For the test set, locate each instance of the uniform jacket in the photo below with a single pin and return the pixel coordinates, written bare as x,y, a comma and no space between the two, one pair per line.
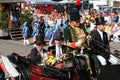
25,30
72,34
36,29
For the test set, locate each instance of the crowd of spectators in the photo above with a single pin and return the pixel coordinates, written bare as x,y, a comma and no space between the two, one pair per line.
49,23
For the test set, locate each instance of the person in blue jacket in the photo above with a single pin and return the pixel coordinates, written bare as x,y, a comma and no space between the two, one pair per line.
25,31
36,30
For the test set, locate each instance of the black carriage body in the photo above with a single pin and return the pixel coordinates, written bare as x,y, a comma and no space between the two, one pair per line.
50,73
76,67
36,73
30,71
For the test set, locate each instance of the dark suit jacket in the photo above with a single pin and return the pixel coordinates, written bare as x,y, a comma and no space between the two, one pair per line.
35,57
97,44
65,49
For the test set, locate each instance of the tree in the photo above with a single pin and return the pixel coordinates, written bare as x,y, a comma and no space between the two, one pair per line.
3,19
26,16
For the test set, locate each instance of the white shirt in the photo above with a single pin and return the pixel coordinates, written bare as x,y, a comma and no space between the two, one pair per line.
101,33
58,51
41,53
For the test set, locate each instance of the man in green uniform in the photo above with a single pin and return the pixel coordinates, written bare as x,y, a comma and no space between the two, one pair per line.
74,35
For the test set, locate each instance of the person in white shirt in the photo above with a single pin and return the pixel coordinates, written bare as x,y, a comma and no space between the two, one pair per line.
116,32
58,50
100,44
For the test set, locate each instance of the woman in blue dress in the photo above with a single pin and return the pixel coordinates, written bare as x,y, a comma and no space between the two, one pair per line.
25,31
36,30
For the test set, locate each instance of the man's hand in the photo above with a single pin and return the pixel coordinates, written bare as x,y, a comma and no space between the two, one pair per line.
82,36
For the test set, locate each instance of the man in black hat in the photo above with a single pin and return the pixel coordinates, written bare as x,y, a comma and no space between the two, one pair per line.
58,50
38,54
74,34
99,41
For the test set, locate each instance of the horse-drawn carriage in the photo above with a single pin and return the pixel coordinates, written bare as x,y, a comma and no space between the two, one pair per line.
81,66
74,67
69,70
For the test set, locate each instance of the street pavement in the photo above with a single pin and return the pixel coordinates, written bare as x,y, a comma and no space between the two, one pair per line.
8,46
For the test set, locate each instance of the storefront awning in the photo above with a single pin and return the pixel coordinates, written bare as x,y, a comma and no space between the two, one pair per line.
35,1
11,1
18,1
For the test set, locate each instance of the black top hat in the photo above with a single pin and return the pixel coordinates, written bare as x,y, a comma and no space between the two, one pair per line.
100,21
40,40
58,35
74,14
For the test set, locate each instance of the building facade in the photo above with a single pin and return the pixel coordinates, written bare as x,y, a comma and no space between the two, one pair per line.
105,3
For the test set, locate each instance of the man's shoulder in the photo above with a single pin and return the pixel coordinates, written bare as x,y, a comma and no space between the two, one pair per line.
44,50
94,31
104,32
34,49
68,27
51,47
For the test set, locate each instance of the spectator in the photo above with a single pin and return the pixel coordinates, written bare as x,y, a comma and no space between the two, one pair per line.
116,33
116,17
55,14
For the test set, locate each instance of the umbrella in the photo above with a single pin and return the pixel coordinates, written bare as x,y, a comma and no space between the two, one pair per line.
45,2
65,2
